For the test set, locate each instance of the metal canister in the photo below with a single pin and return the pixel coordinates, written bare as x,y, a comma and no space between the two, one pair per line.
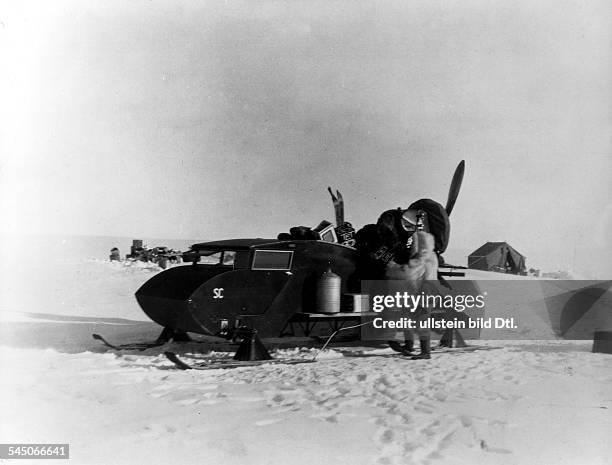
328,293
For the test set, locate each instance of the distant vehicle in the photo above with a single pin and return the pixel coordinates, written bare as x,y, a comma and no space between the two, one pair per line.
114,256
161,255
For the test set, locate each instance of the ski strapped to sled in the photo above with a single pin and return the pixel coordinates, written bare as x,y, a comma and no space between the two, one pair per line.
216,364
338,206
344,230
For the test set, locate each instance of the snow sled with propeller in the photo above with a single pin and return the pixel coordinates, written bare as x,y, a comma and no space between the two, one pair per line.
264,284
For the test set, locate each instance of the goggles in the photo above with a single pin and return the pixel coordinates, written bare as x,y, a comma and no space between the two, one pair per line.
412,220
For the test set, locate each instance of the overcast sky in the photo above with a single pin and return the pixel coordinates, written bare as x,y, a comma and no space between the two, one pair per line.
208,120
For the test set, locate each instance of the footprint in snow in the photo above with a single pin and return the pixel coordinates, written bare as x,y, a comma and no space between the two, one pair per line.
495,450
386,436
269,421
248,399
333,418
157,430
188,401
209,402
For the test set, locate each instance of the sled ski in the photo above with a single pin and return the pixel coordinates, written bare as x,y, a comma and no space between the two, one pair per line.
444,348
129,346
452,350
166,335
434,351
216,364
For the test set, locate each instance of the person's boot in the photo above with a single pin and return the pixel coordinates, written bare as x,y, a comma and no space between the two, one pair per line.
405,349
408,347
425,350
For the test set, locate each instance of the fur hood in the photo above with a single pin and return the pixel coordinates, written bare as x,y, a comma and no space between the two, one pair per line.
423,263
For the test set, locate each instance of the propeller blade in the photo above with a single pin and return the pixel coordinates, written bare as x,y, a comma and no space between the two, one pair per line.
455,186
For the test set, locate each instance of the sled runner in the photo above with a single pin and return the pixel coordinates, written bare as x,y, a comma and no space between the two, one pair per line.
128,346
166,335
216,364
434,350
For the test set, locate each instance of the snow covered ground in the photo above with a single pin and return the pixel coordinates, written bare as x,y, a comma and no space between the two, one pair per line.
522,402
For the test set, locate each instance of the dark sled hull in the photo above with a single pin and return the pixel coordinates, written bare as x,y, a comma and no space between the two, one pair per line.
165,298
202,298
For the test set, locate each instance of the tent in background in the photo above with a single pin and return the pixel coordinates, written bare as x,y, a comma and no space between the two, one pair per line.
497,256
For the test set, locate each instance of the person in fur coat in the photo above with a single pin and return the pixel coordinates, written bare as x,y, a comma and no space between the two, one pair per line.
421,272
401,247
